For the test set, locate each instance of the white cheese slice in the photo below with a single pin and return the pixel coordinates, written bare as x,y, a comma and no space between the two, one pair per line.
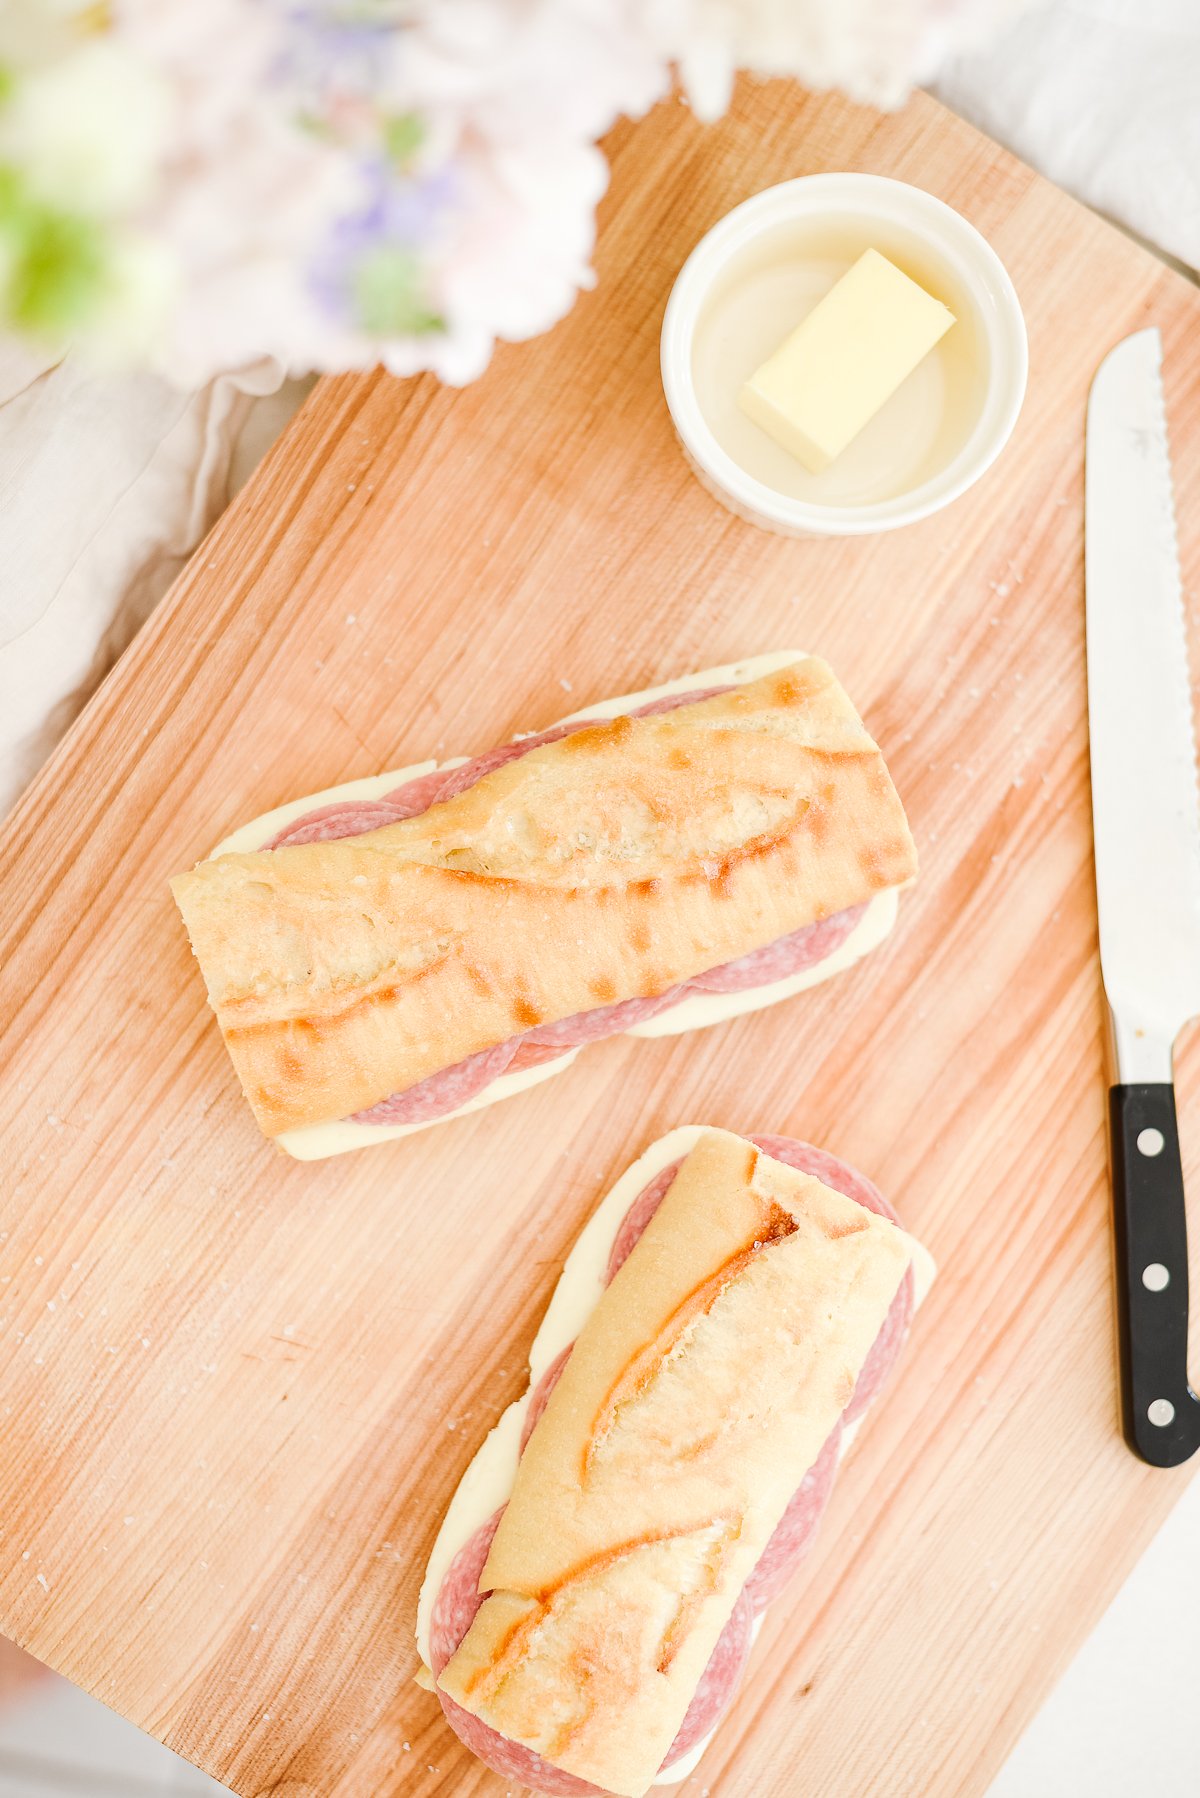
704,1009
315,1142
488,1480
726,674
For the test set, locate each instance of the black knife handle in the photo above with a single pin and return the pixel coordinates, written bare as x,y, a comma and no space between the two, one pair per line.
1161,1412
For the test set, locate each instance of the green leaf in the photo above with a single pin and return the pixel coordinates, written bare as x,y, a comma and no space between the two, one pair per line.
13,203
55,263
403,135
315,126
388,295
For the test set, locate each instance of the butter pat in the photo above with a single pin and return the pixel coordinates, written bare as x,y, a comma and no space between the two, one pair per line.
844,361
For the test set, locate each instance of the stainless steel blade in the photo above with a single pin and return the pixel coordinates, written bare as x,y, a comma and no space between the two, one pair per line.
1144,798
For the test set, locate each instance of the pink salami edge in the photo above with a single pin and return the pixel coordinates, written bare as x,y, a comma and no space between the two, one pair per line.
793,1535
779,960
454,1611
444,1091
459,1598
718,1683
846,1179
451,1087
354,817
541,1393
637,1217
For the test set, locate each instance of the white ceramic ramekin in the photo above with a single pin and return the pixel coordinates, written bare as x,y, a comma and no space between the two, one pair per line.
869,209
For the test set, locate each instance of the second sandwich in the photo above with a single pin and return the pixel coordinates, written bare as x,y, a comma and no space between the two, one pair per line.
721,1326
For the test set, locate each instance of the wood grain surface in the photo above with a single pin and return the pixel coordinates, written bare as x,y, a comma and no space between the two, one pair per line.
237,1392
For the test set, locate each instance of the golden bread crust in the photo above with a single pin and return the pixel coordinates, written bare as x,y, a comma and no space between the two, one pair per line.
697,1396
609,865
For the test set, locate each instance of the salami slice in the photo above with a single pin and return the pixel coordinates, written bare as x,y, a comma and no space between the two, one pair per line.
885,1351
453,1614
827,1168
454,1611
460,779
541,1393
451,1087
458,1596
531,1055
444,1091
510,1759
604,1020
846,1179
793,1534
637,1217
718,1682
416,796
352,817
779,960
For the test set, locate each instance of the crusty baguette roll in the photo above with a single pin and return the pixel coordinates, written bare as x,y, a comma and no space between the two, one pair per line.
699,1392
608,865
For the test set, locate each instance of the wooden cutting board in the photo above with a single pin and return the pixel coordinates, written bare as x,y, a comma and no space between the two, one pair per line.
237,1392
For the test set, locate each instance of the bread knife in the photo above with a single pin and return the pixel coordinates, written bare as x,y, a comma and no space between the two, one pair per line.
1147,837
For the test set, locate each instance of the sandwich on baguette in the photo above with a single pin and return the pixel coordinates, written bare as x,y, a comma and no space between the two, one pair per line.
398,951
723,1322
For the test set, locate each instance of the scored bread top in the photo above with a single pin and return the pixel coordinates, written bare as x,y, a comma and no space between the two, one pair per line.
611,864
698,1394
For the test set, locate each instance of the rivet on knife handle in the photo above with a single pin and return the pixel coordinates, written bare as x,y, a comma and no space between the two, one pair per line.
1161,1412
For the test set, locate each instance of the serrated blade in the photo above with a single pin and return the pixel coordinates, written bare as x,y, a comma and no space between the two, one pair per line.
1144,796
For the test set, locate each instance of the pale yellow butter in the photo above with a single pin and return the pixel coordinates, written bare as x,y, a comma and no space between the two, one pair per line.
842,362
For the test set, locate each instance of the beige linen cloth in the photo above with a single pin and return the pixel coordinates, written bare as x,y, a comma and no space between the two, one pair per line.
107,484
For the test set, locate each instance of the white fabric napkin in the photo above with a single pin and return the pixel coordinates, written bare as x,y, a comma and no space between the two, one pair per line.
1103,96
107,484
